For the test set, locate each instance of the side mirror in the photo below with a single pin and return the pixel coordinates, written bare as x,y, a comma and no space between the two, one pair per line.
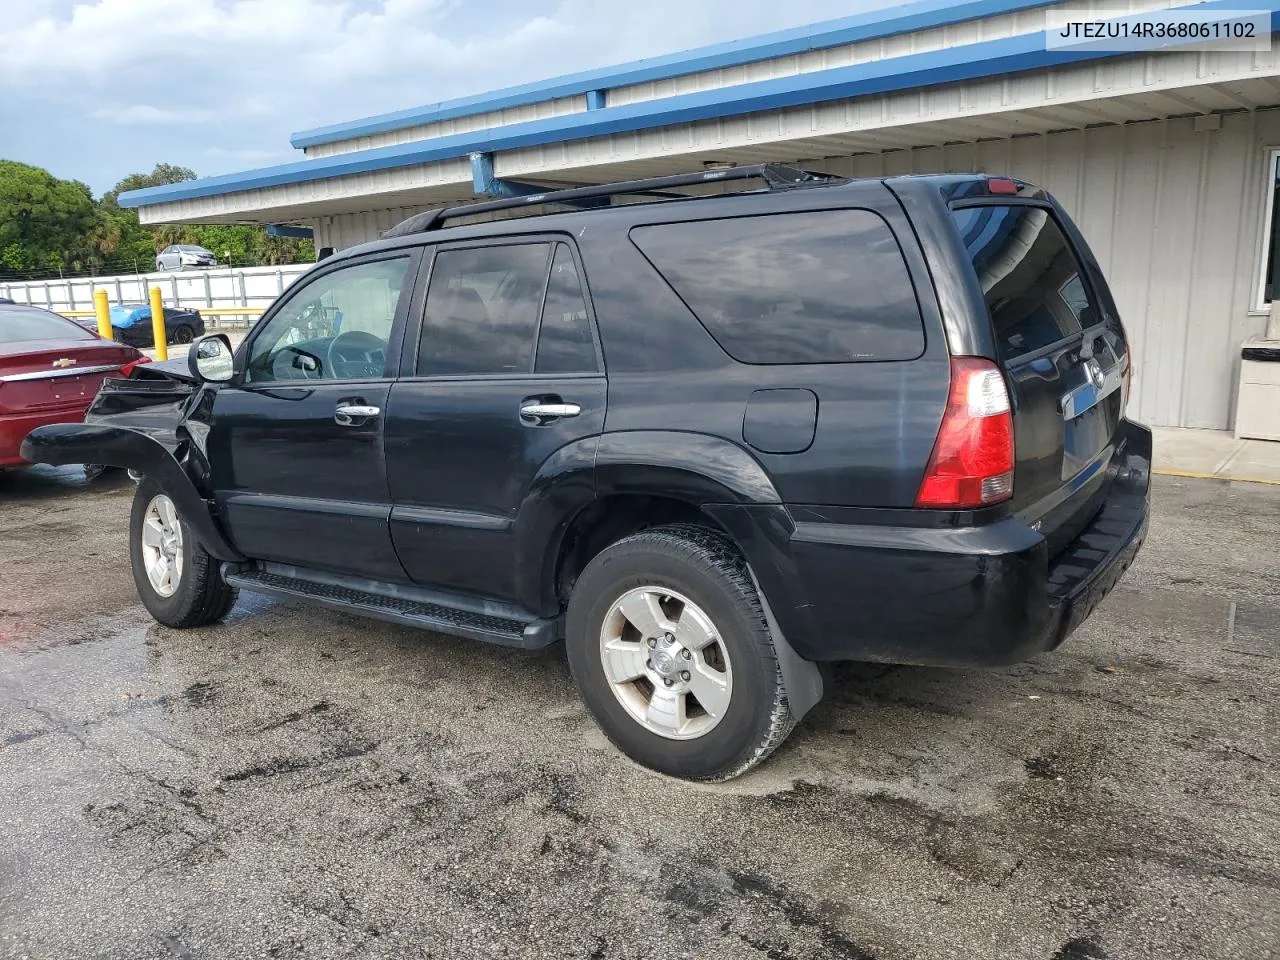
210,359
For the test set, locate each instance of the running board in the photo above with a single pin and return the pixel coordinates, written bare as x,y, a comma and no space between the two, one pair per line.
528,635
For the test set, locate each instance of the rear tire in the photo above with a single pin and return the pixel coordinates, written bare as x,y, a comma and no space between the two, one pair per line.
689,583
183,334
178,582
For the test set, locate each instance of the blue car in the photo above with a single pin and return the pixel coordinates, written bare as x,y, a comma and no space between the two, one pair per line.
131,324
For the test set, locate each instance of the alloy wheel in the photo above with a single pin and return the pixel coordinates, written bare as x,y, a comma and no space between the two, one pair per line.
665,663
162,546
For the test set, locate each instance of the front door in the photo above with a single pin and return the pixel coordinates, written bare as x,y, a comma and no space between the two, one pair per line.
506,372
296,445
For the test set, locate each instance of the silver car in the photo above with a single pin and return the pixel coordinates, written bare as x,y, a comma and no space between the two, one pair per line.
180,256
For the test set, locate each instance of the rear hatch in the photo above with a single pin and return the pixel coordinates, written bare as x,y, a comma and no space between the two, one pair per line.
1064,354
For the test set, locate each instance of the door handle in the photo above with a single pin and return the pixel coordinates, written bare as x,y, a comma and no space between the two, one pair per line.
346,414
544,411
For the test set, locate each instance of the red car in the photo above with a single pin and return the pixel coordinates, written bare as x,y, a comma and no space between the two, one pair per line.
50,370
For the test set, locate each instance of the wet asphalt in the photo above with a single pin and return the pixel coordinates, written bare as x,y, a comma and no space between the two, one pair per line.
297,783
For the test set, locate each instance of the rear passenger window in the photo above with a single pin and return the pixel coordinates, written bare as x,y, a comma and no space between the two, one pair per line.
823,287
564,337
482,310
1029,276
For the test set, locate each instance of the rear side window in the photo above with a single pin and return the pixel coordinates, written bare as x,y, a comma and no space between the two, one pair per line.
824,287
482,310
565,344
1029,275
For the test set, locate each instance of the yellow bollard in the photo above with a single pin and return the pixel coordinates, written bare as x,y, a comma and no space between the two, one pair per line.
158,333
104,313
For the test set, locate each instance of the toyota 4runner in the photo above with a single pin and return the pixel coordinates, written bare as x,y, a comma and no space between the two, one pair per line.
711,442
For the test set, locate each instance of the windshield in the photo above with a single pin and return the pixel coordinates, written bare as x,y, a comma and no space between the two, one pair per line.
23,323
187,248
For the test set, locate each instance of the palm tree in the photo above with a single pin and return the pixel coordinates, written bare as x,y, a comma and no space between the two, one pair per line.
170,233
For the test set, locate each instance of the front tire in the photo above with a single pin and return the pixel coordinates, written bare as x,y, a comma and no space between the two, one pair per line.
178,582
672,654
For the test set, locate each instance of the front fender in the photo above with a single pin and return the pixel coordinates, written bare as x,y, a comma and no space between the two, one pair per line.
63,443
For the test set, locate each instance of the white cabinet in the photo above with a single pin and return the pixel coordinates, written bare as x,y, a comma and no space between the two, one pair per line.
1258,402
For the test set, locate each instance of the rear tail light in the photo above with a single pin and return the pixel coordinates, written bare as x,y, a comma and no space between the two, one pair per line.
127,370
972,461
1002,186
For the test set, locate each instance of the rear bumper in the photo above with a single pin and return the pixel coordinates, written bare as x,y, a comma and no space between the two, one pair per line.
976,596
15,427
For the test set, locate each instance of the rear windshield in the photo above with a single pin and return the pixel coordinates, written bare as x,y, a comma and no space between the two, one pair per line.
824,287
23,323
1029,275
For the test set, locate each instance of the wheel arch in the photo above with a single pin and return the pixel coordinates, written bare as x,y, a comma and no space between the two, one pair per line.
655,478
606,520
619,483
64,443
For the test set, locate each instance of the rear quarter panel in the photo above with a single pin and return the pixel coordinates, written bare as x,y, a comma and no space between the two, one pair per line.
876,421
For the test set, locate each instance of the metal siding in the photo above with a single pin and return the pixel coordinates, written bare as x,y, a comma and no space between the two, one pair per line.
921,41
1223,263
1172,216
1039,102
349,229
443,128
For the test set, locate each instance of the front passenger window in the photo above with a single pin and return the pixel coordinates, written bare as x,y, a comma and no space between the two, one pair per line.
333,328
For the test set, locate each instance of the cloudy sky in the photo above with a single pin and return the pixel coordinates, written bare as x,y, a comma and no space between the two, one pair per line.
97,89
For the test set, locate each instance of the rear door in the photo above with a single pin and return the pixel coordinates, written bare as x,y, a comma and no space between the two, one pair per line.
506,372
1063,351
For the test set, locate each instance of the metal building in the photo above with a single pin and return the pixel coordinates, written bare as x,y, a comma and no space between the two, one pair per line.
1167,160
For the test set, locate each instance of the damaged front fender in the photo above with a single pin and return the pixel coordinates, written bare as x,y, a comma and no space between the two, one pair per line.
115,446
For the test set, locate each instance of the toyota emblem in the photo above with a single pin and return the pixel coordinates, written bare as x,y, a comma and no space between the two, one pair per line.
1095,374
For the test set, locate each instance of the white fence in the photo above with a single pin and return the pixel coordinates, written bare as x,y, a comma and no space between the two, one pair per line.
219,290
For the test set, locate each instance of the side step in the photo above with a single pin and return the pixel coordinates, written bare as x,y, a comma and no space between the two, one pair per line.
528,635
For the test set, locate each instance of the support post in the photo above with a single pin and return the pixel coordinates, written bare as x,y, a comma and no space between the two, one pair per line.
103,313
158,333
485,184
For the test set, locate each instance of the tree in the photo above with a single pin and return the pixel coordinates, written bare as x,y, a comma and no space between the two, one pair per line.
164,173
169,233
141,243
48,226
230,242
276,250
45,222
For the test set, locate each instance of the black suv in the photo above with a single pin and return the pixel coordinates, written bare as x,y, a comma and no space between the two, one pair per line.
711,442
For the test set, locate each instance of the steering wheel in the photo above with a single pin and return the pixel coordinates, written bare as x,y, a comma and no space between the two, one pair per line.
343,347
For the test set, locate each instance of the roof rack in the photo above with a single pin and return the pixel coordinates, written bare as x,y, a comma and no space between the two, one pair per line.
775,176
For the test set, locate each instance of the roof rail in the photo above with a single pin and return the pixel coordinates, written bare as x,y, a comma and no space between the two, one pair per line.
775,176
